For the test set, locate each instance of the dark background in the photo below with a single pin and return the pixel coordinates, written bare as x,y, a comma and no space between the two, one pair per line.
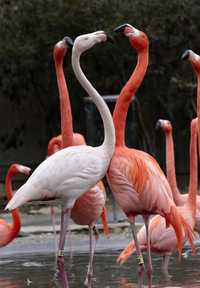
29,103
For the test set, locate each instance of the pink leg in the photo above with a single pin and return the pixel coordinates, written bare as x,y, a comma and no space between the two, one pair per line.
61,275
139,254
149,268
53,220
65,216
69,237
88,280
165,266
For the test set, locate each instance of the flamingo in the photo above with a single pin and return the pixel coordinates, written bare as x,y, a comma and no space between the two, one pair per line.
8,231
70,172
179,199
162,239
137,182
90,206
194,59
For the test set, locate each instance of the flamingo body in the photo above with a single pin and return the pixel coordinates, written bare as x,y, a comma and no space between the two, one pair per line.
88,208
66,174
133,177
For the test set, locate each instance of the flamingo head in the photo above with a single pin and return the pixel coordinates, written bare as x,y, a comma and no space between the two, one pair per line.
17,168
61,48
137,38
165,125
193,58
87,41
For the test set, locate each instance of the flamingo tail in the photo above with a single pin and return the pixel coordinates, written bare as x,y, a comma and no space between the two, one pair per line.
104,222
19,198
190,234
179,224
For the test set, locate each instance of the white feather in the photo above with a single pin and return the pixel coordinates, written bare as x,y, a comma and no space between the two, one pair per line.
66,174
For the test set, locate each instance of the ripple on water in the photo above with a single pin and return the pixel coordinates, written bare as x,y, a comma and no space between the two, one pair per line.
5,262
33,264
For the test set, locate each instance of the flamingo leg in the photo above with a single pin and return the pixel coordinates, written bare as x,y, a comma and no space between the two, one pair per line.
165,266
88,279
65,216
149,268
53,220
69,237
139,254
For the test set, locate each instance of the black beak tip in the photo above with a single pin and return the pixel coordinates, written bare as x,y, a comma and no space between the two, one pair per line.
185,55
69,41
120,28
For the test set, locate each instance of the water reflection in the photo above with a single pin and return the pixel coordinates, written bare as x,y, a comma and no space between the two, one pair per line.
38,271
124,283
6,283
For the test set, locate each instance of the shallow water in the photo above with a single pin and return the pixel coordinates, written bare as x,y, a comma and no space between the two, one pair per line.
38,271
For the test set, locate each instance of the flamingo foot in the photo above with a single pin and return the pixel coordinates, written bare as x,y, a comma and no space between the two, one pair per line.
167,276
88,280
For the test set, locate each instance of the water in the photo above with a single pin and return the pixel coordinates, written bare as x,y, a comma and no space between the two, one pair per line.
37,271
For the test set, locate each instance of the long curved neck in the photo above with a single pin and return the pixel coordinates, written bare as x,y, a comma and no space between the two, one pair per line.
170,166
15,213
65,107
198,108
126,94
193,182
109,131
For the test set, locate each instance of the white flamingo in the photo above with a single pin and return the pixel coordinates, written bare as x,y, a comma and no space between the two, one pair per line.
72,171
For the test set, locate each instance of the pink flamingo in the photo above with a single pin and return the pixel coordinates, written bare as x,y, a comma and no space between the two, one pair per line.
136,179
179,199
194,59
90,206
70,172
8,231
162,239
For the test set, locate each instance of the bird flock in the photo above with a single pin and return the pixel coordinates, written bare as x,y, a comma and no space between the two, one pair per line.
71,176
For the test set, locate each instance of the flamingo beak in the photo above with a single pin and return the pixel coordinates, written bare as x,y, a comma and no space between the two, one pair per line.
185,55
120,28
69,41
